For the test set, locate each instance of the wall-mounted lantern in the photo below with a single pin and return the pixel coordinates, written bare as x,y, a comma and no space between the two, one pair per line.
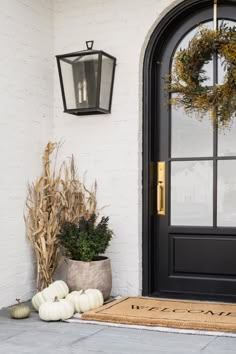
86,79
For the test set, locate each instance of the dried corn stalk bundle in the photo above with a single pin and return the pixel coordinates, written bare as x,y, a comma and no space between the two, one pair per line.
54,198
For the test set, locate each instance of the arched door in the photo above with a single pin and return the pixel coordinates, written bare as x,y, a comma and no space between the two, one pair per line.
191,249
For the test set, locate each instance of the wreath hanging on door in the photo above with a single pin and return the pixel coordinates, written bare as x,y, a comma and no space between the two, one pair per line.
188,76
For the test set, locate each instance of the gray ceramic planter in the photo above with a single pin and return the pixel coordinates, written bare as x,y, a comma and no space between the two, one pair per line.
90,275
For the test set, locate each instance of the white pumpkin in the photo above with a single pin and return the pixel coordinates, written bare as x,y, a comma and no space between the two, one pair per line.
87,300
61,288
59,309
57,289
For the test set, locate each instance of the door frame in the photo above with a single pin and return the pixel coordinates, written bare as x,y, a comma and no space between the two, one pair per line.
155,44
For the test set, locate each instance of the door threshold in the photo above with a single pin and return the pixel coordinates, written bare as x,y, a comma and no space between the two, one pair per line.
190,297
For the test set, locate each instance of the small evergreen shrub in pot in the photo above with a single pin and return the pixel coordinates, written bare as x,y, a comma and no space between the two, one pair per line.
84,244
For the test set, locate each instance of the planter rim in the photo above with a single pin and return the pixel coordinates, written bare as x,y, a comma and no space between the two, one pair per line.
102,259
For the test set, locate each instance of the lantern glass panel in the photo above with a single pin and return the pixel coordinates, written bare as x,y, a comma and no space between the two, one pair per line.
106,82
80,80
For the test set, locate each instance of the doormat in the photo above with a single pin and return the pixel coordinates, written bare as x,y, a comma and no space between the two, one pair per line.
196,315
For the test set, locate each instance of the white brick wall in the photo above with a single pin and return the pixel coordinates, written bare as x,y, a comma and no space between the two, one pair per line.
26,94
109,147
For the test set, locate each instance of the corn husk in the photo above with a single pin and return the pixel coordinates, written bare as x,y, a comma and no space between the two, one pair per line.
55,197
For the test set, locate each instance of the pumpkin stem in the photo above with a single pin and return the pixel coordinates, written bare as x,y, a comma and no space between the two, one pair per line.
56,299
18,300
83,291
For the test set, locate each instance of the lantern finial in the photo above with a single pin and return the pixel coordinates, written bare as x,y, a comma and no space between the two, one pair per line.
89,45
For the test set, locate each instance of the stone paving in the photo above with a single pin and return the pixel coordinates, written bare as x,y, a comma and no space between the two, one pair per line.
32,336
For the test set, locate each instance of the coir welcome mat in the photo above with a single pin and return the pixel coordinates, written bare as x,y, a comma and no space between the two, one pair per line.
167,313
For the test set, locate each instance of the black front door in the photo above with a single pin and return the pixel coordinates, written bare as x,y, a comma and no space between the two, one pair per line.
193,222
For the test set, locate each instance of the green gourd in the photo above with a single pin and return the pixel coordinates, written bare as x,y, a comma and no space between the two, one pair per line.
20,311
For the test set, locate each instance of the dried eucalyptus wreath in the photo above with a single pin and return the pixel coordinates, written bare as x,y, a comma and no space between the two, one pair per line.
188,75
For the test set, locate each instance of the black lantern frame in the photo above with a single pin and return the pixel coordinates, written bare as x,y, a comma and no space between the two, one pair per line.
99,82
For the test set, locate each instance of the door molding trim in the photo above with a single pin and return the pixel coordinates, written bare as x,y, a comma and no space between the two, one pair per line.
153,48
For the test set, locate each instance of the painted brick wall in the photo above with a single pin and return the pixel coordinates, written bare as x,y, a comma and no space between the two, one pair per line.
109,147
26,110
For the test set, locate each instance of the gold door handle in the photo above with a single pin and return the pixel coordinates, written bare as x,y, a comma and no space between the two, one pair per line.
161,188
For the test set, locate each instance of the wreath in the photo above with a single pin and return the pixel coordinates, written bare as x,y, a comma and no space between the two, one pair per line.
188,76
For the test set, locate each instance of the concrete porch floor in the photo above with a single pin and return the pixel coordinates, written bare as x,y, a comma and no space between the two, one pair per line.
33,336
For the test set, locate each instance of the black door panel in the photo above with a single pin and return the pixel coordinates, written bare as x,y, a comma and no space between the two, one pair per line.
207,256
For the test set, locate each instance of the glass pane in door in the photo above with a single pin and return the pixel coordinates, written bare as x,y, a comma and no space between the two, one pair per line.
221,61
190,137
192,193
226,196
183,44
227,140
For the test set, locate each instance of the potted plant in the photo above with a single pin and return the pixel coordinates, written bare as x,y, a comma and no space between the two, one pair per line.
84,244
